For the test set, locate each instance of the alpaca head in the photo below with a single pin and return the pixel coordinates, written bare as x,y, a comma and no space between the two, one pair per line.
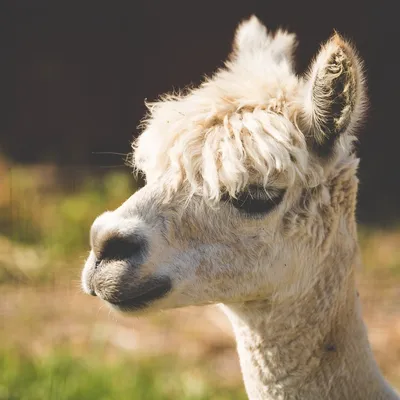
250,181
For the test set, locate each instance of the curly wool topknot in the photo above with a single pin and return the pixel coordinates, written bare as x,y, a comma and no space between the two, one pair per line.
241,126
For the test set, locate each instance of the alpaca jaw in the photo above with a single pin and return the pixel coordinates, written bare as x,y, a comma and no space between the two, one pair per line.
119,284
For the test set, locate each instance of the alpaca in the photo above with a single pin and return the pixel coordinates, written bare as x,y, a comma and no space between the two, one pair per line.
250,202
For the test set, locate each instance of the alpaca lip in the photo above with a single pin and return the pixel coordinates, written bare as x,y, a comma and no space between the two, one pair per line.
146,296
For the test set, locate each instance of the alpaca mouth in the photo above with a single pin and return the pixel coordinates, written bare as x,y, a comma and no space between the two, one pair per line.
145,296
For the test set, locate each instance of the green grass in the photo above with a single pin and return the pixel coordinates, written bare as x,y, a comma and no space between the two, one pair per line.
65,377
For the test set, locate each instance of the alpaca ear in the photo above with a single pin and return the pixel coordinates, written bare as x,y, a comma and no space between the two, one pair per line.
252,37
335,95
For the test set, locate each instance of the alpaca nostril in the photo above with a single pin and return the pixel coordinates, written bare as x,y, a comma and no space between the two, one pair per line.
121,248
92,293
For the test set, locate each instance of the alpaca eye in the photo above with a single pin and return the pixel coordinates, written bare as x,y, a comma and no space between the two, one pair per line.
257,200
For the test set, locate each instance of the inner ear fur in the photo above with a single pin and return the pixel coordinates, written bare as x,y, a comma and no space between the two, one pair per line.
335,95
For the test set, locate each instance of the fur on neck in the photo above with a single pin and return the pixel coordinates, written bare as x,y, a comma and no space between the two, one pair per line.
315,347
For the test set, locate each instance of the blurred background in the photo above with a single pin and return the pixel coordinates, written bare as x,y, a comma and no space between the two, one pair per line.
73,78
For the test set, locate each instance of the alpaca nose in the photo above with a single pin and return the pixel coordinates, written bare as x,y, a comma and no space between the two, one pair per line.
119,248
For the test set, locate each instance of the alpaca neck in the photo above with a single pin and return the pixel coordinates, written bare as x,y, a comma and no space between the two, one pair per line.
313,348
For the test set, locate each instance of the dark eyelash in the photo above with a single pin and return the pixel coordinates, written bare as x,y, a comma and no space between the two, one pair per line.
256,201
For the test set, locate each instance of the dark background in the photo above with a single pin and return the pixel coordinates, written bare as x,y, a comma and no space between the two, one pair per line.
74,75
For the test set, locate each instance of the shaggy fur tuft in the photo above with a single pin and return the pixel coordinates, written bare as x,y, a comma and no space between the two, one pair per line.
247,124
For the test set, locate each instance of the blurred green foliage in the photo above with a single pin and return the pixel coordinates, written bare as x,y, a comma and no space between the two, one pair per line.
65,377
45,218
58,216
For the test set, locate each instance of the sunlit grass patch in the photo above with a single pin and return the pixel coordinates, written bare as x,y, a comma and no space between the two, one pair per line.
64,377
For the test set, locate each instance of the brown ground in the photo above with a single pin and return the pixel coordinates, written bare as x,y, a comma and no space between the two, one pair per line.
41,319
